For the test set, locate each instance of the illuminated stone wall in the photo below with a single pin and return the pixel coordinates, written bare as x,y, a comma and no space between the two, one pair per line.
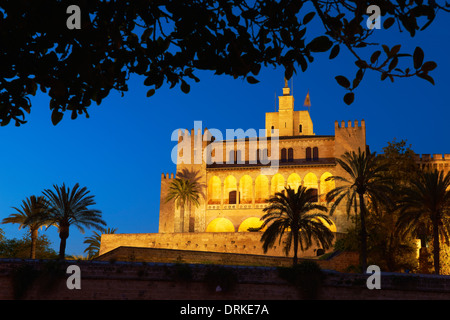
236,181
434,161
104,280
231,242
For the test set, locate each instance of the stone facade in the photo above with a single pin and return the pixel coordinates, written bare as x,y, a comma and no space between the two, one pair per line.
238,174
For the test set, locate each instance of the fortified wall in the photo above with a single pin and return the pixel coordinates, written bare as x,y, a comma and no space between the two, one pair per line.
226,242
433,161
101,280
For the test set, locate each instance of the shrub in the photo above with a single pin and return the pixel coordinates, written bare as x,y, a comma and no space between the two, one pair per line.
306,276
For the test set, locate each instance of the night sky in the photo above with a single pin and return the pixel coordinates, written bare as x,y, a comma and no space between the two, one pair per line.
120,152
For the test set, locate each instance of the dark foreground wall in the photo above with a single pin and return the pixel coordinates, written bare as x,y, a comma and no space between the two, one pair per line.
339,262
103,280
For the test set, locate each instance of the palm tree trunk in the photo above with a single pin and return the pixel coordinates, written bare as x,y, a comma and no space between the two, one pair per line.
436,246
363,234
182,210
191,218
295,248
34,235
63,235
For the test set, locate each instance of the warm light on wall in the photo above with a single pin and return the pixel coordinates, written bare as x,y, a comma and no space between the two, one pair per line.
261,188
294,181
220,225
331,226
310,181
246,189
326,186
277,184
214,190
252,222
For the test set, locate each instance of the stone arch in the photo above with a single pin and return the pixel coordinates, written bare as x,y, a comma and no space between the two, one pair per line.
310,181
214,190
326,186
246,189
294,181
220,225
229,187
261,188
277,183
252,222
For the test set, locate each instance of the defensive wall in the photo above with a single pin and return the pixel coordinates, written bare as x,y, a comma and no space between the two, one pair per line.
433,161
227,242
101,280
342,261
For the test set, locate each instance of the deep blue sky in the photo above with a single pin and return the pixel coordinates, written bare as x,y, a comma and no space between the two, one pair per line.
120,152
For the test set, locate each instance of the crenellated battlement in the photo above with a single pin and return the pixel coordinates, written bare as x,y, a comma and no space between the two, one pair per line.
193,132
436,161
350,124
167,176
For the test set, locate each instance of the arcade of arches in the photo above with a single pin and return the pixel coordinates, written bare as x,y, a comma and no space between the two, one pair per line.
252,193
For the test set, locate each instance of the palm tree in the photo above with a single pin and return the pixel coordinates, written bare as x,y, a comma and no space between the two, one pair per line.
94,242
425,209
183,192
68,207
30,207
290,212
367,179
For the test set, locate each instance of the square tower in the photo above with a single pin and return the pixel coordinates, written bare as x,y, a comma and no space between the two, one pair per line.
286,120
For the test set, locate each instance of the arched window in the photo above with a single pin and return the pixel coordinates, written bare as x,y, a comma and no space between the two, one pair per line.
214,190
308,154
245,189
273,129
252,222
300,128
283,155
231,158
326,186
277,183
264,157
220,225
294,181
230,188
261,189
315,195
310,181
232,197
290,155
315,154
238,157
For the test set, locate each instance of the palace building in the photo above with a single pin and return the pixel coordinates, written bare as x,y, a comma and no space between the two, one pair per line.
237,175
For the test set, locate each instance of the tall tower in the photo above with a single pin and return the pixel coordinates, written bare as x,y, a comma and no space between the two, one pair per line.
288,121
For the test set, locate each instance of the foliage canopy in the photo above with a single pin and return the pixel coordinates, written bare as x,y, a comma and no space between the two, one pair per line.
167,41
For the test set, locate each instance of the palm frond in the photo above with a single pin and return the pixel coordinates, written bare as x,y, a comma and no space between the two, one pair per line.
292,217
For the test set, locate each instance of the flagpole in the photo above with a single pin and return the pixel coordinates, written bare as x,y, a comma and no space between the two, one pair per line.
275,101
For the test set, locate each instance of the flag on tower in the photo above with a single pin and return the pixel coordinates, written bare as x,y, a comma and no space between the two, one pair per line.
307,102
